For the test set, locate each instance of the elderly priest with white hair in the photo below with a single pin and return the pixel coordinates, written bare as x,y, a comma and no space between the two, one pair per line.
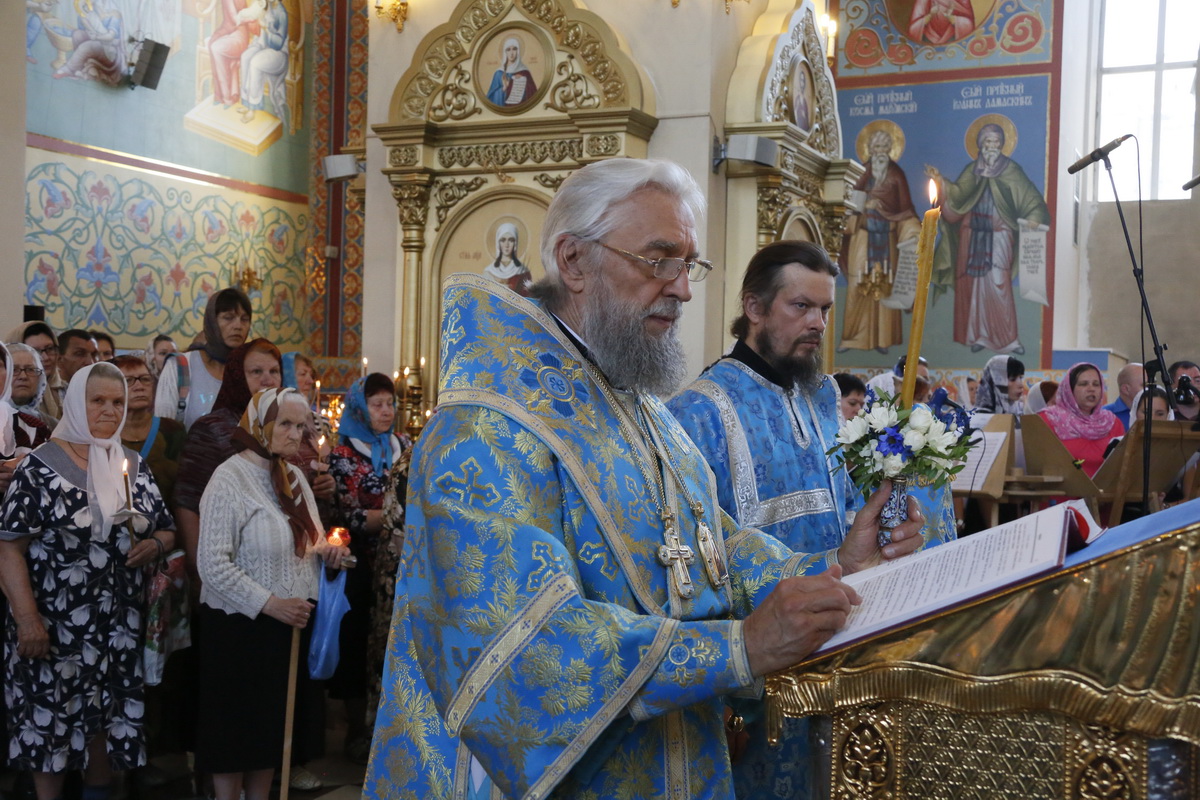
573,603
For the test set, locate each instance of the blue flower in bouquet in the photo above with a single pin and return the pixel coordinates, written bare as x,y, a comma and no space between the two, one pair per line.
887,441
891,443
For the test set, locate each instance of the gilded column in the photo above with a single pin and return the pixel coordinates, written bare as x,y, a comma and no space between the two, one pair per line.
412,200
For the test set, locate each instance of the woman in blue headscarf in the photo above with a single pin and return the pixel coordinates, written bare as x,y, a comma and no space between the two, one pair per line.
361,465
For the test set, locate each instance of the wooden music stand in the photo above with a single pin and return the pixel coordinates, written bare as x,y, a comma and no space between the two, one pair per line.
989,488
1119,479
1045,454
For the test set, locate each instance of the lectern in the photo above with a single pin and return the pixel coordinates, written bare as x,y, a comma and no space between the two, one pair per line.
1084,683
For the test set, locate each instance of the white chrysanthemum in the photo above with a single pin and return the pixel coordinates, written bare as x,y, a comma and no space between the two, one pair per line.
920,419
853,430
881,417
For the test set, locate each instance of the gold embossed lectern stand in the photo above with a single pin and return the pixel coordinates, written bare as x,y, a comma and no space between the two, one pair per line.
1082,684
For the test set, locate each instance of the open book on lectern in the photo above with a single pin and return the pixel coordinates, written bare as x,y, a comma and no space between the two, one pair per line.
900,592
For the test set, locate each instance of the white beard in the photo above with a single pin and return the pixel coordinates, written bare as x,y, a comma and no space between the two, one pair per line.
879,166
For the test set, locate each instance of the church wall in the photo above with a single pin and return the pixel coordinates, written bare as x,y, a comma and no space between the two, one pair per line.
933,90
688,54
138,203
1172,241
12,159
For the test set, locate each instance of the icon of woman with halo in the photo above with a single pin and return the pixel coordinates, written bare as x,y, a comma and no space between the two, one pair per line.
507,268
513,83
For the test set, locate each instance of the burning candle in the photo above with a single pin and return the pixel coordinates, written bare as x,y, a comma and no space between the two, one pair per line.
920,302
128,492
338,537
318,395
422,362
364,366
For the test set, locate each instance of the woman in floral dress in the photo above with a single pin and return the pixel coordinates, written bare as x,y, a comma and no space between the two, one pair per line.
361,464
72,572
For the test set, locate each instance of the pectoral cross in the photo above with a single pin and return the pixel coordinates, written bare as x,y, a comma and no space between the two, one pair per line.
676,555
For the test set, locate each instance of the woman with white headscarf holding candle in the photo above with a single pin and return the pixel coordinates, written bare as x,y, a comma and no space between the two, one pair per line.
71,570
259,556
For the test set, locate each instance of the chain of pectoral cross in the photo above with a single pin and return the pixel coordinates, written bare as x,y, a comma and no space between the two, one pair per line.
673,554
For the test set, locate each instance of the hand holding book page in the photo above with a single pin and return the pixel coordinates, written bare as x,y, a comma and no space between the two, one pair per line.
907,589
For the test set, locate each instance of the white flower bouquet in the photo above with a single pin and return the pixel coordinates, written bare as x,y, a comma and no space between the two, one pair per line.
912,444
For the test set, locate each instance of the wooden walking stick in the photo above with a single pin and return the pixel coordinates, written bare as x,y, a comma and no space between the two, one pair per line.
289,717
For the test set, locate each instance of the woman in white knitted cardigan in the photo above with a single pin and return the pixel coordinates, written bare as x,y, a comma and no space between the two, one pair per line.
260,555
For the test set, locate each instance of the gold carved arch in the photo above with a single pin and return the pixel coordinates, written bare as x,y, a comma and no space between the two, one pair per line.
592,71
461,141
782,89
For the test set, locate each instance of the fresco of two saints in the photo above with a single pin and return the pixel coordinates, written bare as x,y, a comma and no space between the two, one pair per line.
986,210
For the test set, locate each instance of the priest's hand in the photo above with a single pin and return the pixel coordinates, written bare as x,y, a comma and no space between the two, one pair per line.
861,549
797,617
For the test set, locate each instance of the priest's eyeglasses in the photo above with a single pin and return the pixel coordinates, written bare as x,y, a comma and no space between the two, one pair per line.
668,269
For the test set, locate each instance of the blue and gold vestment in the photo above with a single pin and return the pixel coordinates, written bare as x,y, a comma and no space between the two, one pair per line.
766,445
534,627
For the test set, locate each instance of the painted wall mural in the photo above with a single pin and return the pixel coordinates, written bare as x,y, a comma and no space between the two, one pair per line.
913,113
138,254
889,36
335,289
991,265
231,99
252,83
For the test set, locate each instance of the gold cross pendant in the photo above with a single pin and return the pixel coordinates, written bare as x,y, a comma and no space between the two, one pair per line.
675,555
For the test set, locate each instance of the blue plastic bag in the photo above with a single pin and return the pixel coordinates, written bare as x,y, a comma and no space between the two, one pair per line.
332,605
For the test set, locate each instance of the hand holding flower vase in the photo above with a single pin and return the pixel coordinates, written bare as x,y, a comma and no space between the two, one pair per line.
887,442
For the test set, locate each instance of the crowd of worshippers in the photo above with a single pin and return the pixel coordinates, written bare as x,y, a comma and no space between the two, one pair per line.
221,454
1077,409
113,462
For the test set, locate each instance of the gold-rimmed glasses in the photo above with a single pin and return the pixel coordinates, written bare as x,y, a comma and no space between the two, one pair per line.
668,269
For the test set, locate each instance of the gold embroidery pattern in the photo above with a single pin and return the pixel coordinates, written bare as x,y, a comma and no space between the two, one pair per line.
517,634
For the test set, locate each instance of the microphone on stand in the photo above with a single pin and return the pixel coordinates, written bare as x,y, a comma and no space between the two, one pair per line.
1097,154
1191,183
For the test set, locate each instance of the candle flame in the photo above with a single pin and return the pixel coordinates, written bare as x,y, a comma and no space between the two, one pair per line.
422,362
933,197
364,361
125,467
395,375
318,384
338,537
321,442
428,413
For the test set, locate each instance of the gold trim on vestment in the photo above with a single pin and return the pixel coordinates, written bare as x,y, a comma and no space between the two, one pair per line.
462,771
570,459
571,754
519,631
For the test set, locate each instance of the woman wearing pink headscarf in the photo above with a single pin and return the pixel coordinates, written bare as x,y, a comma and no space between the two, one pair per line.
1079,419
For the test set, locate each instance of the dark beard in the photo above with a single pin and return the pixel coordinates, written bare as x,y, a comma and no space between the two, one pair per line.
803,371
628,356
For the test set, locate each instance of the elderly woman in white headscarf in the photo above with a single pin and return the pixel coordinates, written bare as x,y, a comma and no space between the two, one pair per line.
260,553
75,533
